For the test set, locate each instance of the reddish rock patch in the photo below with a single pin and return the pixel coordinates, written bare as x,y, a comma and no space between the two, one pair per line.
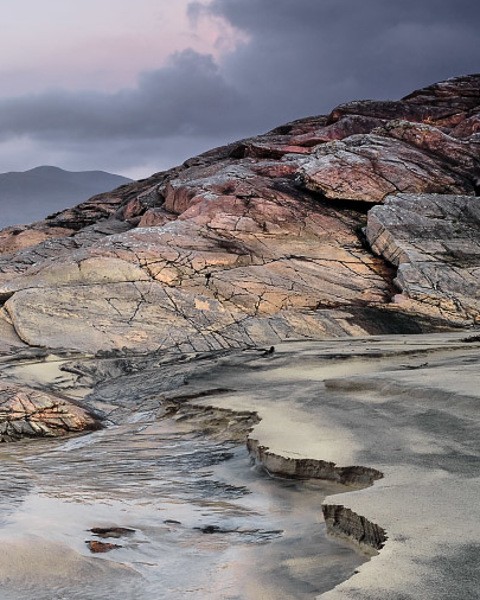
25,412
248,244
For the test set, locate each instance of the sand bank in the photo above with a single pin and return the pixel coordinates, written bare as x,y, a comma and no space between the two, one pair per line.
405,406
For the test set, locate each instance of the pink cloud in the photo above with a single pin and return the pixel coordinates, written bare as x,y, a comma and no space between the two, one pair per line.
99,45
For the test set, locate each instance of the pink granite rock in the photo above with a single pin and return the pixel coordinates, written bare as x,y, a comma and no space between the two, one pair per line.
25,412
251,243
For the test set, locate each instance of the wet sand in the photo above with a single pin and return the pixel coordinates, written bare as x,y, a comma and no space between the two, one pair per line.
411,412
45,374
162,478
404,405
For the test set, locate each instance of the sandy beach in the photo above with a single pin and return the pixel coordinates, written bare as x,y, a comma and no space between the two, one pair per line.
393,417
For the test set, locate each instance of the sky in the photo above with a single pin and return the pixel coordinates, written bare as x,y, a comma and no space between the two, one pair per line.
138,87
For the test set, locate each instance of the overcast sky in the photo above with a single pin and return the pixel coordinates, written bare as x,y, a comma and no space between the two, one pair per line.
136,87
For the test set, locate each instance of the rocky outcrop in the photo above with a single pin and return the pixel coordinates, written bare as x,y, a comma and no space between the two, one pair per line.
434,240
253,243
368,168
425,143
25,412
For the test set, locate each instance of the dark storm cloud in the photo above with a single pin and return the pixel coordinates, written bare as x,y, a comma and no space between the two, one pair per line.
302,57
187,97
305,56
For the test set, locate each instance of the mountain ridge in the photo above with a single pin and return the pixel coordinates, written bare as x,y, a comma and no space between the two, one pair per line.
29,195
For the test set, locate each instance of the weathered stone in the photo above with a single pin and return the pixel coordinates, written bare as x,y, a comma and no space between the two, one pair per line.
26,412
155,217
99,547
370,167
248,244
342,128
14,239
148,316
435,242
461,156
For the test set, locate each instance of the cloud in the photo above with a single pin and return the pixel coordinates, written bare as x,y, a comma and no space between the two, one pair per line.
187,97
305,56
291,58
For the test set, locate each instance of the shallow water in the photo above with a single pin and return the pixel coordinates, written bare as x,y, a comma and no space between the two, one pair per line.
168,483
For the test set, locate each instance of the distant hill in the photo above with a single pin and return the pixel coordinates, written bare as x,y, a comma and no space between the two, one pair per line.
32,195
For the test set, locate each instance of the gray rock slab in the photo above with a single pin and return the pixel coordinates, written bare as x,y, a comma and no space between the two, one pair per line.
434,240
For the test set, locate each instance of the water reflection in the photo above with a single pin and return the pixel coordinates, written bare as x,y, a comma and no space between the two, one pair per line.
207,524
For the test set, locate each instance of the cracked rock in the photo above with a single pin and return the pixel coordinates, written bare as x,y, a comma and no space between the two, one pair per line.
262,240
434,240
25,412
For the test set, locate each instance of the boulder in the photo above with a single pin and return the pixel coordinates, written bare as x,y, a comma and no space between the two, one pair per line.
25,412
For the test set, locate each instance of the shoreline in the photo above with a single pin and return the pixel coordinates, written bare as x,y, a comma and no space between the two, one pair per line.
298,548
428,452
405,407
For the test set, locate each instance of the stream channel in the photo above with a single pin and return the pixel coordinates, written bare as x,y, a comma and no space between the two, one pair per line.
200,521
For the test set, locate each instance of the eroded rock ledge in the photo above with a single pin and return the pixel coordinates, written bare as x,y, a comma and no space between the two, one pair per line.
341,522
308,468
237,425
259,241
344,523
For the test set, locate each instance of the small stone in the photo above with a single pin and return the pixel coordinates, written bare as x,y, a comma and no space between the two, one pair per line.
98,547
210,529
112,532
172,522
